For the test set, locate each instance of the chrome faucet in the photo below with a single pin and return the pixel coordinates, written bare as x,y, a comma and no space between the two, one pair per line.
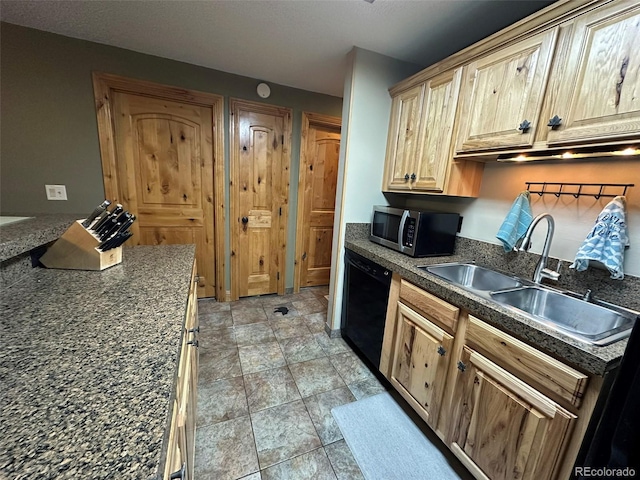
541,271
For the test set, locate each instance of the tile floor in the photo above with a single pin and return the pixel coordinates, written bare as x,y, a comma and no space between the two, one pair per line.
266,387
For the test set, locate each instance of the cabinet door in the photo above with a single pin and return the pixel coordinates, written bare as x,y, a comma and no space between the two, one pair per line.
599,97
438,113
420,362
402,141
505,429
502,90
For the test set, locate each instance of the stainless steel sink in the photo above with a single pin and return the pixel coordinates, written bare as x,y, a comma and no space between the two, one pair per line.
587,321
594,322
473,277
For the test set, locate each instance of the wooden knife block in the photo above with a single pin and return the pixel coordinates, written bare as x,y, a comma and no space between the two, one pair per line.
77,249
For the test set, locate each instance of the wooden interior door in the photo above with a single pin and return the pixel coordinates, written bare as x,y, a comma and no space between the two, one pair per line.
259,196
165,173
320,152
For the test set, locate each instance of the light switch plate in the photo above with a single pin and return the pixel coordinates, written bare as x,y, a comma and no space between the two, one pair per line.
56,192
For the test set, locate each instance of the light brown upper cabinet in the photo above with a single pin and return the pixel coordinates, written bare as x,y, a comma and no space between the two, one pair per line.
419,141
502,95
599,95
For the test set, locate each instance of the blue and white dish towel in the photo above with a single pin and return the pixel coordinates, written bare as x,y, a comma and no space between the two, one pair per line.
606,240
516,222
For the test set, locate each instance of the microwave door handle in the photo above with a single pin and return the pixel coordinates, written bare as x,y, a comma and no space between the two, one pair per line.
403,220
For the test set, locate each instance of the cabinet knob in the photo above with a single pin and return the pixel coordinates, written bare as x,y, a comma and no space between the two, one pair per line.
461,366
525,126
180,474
406,177
441,351
413,177
245,220
554,122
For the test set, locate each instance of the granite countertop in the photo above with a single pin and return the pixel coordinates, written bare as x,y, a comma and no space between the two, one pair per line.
88,363
20,237
588,358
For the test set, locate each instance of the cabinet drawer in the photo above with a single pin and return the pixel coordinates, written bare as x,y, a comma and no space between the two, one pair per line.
433,307
526,362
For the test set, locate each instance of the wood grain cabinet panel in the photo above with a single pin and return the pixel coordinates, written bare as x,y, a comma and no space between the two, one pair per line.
420,363
599,93
503,428
502,90
182,433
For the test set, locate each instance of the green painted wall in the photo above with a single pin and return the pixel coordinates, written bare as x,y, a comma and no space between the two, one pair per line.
48,129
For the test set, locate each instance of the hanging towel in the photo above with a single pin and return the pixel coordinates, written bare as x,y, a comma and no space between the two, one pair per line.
517,221
606,240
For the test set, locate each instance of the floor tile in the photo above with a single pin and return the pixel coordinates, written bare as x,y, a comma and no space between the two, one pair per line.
220,401
216,338
351,368
210,305
218,364
301,349
253,334
246,316
270,300
367,388
244,303
316,322
263,356
270,388
289,327
226,450
215,320
331,346
311,466
341,458
315,376
283,432
307,306
319,408
253,476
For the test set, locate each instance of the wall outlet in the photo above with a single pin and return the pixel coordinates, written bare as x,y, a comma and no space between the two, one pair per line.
56,192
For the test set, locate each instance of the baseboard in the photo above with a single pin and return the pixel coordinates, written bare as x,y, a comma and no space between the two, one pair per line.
332,333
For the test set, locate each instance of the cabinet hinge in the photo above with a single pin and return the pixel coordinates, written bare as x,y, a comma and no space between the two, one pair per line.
278,275
282,139
304,256
280,211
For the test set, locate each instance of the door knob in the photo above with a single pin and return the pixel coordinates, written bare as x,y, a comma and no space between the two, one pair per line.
245,220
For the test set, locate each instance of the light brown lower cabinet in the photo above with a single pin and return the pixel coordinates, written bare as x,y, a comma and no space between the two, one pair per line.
181,444
503,407
502,427
420,363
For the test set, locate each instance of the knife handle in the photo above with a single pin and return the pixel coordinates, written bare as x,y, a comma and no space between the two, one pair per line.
97,211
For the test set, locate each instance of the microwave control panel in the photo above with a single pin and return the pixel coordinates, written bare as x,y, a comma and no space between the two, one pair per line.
409,232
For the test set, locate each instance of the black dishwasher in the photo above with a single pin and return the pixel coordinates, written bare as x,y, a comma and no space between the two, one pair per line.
364,304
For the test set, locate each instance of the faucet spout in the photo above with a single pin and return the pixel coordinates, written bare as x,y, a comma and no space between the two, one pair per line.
541,271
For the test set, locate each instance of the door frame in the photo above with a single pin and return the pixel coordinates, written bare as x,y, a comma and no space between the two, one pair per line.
308,119
104,84
235,105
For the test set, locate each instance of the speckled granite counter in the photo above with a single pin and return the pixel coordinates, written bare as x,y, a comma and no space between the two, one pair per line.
591,359
87,366
20,237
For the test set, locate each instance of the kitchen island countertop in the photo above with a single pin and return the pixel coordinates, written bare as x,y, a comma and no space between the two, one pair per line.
88,362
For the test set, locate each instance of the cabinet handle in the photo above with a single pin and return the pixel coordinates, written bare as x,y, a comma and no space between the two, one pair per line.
194,330
525,126
406,177
179,475
461,366
441,351
193,342
554,122
413,177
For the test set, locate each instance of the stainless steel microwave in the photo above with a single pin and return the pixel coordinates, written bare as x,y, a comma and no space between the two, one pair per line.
418,234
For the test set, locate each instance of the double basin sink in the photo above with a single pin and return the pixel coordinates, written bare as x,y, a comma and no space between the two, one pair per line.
595,322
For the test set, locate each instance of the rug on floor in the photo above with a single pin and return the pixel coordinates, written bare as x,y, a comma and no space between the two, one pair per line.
387,444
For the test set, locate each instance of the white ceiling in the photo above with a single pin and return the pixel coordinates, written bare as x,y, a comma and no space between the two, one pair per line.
298,43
